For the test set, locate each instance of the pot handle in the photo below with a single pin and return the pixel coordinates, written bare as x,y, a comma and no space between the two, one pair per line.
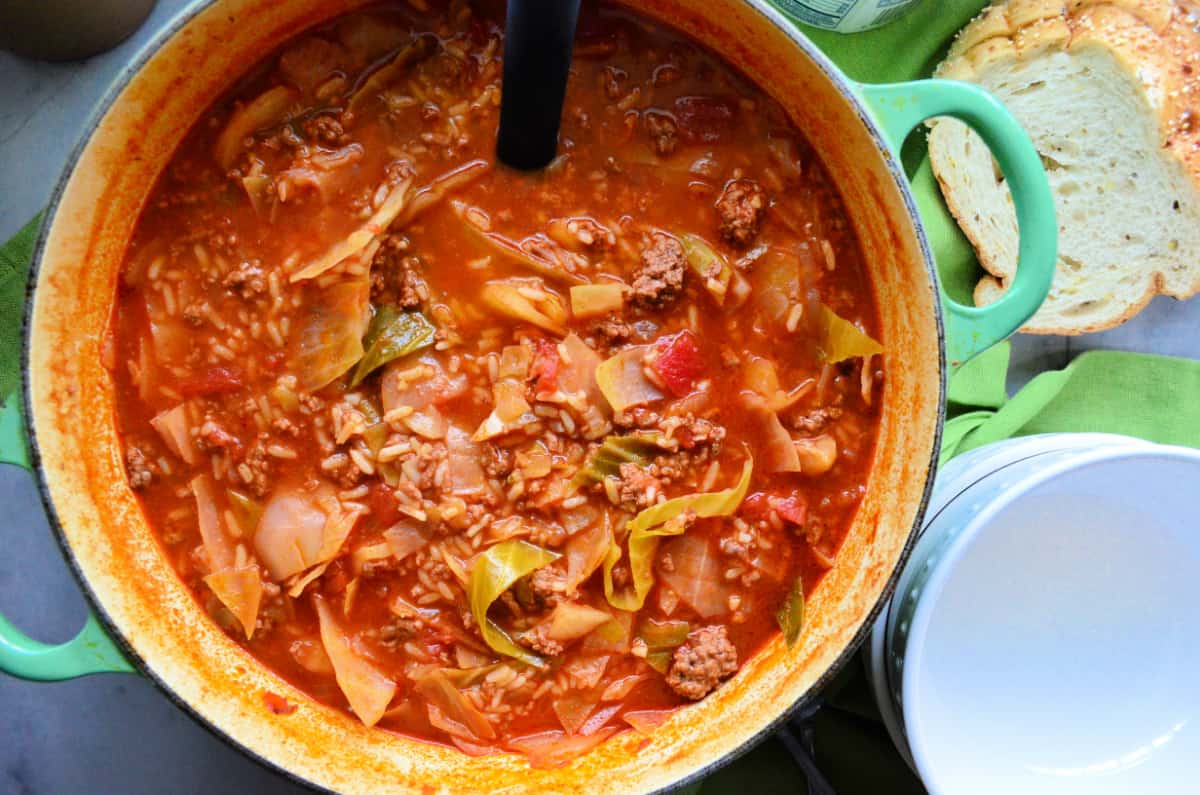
92,651
899,108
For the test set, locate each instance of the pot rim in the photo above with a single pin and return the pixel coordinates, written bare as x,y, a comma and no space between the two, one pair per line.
831,72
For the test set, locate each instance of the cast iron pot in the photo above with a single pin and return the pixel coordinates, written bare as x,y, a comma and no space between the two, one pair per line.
146,621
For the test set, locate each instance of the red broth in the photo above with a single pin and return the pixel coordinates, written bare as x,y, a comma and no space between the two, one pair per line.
363,397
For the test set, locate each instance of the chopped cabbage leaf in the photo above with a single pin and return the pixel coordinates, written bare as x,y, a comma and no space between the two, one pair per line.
779,451
623,382
175,429
240,590
356,243
585,553
216,544
406,537
268,109
791,613
635,448
391,335
442,185
713,269
696,575
463,456
373,86
577,374
593,300
665,519
246,510
367,689
572,620
329,339
493,572
575,706
439,692
300,529
527,301
839,339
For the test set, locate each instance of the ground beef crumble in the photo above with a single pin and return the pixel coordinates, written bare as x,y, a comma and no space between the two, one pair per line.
816,420
138,467
537,640
612,330
663,132
548,585
660,275
637,488
246,281
702,662
741,207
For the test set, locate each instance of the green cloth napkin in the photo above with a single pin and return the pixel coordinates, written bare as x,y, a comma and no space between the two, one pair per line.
1138,395
15,257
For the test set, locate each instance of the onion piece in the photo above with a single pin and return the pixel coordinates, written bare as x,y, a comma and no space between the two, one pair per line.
367,689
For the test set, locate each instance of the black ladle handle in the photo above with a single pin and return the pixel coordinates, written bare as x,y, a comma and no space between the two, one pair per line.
537,56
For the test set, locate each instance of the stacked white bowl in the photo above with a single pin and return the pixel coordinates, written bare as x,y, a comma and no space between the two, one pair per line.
1045,634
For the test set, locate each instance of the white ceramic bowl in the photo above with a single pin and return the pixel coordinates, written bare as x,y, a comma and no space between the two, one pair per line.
1042,637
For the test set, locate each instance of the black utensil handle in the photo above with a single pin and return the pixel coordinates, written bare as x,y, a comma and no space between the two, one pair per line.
537,56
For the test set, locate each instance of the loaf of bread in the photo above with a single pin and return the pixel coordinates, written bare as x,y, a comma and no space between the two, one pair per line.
1109,91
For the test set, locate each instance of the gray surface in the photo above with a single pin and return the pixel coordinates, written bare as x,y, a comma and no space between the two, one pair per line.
117,734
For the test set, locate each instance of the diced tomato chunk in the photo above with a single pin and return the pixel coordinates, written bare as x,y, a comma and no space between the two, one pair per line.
214,381
544,370
382,502
793,508
705,119
678,362
756,506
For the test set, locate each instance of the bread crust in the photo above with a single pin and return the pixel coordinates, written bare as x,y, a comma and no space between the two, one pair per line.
1155,44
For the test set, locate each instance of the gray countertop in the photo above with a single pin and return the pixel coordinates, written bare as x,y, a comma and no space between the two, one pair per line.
111,734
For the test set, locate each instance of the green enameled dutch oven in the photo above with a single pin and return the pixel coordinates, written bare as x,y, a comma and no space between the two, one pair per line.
146,621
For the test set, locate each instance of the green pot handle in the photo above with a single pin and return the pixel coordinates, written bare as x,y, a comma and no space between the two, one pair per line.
899,108
92,651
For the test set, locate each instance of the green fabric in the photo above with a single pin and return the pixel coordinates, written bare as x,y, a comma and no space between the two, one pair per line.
15,257
1150,397
1131,394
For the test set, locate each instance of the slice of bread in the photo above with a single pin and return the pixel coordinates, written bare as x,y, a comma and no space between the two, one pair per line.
1106,90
